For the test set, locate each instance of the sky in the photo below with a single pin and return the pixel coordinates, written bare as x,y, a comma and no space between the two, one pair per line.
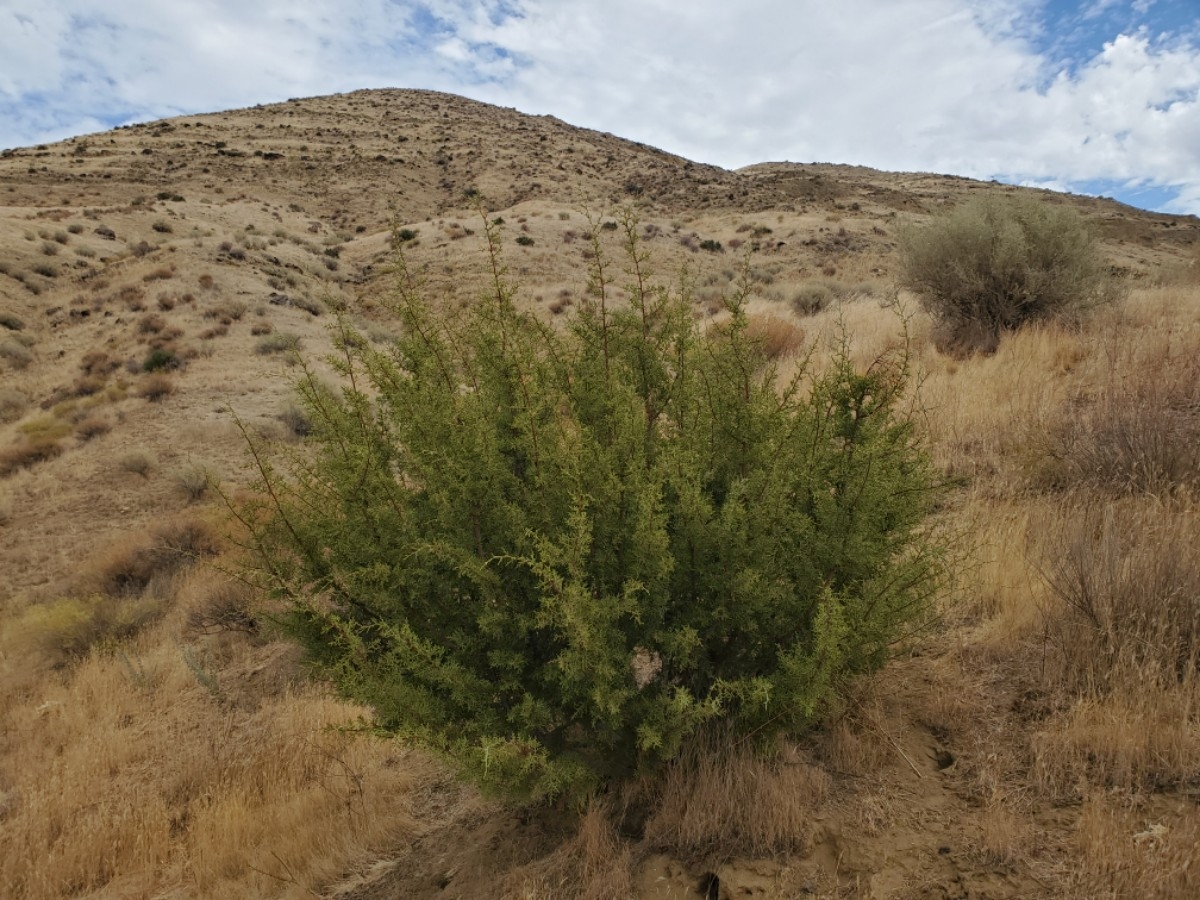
1093,96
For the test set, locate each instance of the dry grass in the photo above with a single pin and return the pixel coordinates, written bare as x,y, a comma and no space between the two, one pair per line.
13,404
28,453
1142,740
132,777
16,354
1005,836
138,462
129,566
776,337
595,864
1126,578
1136,852
156,387
92,427
728,797
127,586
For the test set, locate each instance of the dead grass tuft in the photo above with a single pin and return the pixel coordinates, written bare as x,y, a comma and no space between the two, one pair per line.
28,453
219,603
596,864
16,354
1146,739
1140,433
92,427
728,797
65,629
98,362
130,566
130,778
156,387
1005,836
775,336
13,403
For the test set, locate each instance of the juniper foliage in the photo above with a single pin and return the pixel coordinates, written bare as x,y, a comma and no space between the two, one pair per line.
552,555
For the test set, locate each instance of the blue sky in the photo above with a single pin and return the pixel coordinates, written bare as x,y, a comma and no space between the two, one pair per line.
1095,96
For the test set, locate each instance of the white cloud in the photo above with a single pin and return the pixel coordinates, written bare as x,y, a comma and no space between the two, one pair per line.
937,85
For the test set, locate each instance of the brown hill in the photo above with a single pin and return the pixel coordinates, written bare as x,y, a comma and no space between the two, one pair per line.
153,280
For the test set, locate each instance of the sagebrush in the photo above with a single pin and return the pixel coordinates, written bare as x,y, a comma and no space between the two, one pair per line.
996,263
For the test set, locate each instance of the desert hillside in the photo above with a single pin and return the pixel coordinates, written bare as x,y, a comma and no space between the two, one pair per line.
160,282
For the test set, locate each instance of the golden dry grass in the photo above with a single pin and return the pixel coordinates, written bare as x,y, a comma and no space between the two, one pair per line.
135,772
1135,850
724,796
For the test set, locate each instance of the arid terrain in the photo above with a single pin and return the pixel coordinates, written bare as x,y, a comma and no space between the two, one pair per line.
159,739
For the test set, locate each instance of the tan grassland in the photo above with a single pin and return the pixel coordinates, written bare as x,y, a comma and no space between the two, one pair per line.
158,738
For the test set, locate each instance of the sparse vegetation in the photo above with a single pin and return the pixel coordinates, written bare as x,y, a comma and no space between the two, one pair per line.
156,387
92,427
158,737
192,481
297,420
13,403
138,462
160,359
278,342
28,452
775,337
162,273
16,354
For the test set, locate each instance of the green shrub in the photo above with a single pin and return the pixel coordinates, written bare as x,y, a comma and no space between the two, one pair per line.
994,264
554,555
160,358
278,342
524,240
